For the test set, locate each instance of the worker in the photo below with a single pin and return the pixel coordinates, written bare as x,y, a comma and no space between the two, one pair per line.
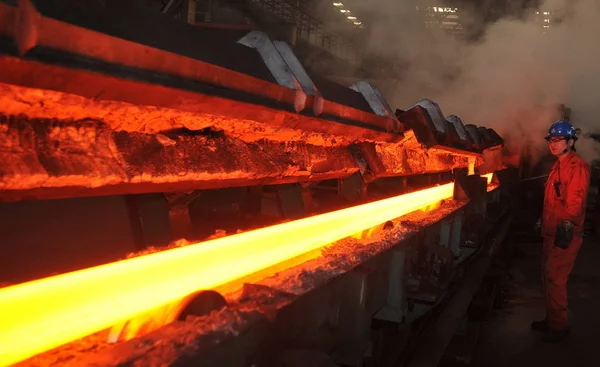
561,225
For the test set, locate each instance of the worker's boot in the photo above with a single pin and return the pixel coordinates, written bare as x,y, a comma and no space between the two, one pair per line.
540,325
555,336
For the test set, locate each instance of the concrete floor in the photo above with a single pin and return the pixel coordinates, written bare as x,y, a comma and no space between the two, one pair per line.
506,339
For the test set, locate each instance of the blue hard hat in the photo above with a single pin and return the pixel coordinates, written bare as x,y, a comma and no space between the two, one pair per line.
562,128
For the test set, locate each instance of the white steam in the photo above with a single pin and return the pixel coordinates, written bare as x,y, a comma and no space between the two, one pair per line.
512,79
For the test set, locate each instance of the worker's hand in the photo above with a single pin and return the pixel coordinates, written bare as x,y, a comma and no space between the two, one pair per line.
564,234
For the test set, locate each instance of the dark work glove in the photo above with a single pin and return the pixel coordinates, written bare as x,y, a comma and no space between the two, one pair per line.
564,234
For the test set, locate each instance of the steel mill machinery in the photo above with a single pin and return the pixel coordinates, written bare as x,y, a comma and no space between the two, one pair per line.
308,223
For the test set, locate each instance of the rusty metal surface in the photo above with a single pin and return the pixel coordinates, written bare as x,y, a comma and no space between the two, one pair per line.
127,98
134,119
58,158
53,159
398,160
456,151
332,110
369,153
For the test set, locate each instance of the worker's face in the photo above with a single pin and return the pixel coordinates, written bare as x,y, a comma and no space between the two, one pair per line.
557,145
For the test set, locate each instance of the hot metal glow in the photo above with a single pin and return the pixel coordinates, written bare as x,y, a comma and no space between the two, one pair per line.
488,176
43,314
490,186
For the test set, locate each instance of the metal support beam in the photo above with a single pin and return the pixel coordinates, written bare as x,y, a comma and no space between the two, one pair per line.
430,352
446,227
395,306
179,214
377,103
355,319
295,67
136,221
352,188
282,73
291,201
457,234
189,11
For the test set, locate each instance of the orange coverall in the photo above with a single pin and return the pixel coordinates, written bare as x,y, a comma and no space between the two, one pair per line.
568,204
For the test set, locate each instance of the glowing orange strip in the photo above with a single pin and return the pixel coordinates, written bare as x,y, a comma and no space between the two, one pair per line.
488,176
43,314
490,185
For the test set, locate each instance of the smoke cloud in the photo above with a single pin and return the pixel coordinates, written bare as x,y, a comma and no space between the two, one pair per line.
512,78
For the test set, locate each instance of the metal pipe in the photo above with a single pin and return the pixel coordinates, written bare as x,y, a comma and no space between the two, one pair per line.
430,352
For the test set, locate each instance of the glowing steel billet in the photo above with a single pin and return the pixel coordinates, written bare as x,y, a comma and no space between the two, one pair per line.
40,315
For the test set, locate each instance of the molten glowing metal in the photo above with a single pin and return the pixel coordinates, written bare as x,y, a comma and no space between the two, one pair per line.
488,176
43,314
490,186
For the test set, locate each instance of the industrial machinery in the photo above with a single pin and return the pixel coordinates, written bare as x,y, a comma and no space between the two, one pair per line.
310,223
